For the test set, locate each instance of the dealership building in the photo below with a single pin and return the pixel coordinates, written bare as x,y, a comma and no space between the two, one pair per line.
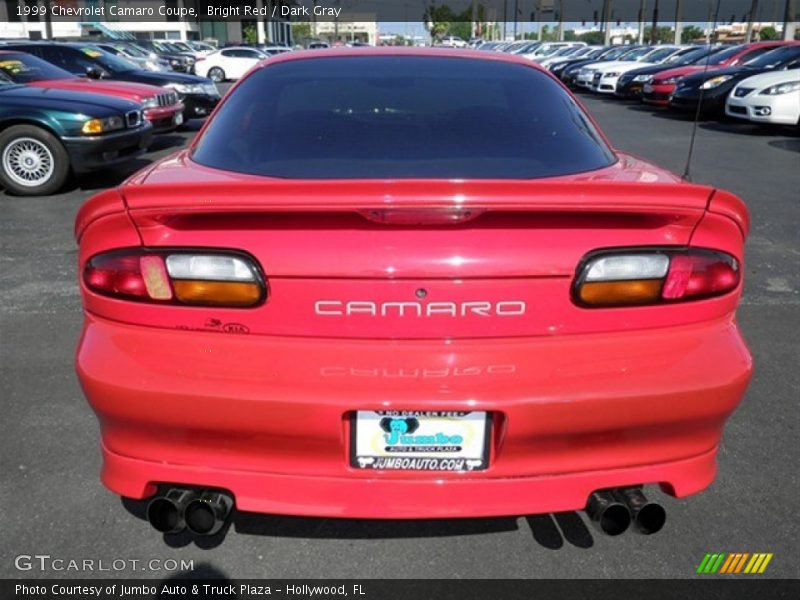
15,24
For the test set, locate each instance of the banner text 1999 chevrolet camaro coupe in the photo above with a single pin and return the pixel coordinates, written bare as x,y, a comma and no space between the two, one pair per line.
408,284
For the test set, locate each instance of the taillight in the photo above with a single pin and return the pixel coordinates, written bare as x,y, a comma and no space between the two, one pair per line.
197,278
643,276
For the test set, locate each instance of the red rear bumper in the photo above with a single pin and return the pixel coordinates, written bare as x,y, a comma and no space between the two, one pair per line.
267,417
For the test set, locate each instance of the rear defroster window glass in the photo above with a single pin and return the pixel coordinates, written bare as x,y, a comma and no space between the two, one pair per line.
401,117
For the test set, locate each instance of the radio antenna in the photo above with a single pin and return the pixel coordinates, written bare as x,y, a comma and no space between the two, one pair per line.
687,174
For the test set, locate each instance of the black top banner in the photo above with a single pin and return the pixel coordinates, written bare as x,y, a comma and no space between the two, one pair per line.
586,12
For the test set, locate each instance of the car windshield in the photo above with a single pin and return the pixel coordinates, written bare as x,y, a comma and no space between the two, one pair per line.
658,55
686,57
132,51
635,54
5,81
724,55
24,68
111,63
401,117
775,58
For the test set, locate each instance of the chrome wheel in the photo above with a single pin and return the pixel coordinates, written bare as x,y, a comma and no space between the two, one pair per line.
216,75
28,162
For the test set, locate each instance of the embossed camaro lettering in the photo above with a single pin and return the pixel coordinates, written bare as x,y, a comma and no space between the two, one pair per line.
481,308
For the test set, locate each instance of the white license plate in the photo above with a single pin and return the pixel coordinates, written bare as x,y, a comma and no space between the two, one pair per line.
647,88
420,440
179,119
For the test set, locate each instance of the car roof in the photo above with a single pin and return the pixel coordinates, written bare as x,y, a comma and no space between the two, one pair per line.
428,52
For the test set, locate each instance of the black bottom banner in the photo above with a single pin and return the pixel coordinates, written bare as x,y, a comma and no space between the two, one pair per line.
399,589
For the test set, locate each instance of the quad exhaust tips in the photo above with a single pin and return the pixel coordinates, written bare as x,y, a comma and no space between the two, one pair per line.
203,513
612,511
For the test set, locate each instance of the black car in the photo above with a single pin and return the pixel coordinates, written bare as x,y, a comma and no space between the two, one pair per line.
557,68
46,134
716,85
569,71
630,84
178,59
198,94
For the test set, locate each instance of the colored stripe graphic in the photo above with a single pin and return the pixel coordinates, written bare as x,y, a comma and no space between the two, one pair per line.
703,563
734,562
741,562
764,564
731,560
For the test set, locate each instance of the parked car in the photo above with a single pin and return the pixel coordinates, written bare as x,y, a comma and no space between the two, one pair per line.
273,50
178,60
771,98
548,49
631,83
659,90
569,53
198,95
134,54
452,41
615,53
495,314
161,107
228,63
202,48
605,75
47,134
710,90
561,68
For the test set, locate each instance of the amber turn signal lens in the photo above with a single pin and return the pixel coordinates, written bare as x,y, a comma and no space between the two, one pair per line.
616,293
217,293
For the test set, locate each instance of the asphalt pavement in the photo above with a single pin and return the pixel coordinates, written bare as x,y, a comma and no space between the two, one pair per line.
52,503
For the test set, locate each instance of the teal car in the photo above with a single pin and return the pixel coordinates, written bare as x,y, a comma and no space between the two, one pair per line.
46,135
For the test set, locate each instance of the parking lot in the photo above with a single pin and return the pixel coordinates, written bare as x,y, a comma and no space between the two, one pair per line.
52,503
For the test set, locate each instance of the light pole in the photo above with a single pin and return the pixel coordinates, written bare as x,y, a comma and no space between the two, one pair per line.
789,23
750,18
642,11
678,21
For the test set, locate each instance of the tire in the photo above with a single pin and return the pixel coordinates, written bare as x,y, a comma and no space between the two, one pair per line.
216,75
33,162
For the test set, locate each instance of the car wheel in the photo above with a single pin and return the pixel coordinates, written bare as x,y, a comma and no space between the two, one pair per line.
33,162
216,75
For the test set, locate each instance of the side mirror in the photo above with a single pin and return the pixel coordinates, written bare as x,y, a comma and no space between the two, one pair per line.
95,73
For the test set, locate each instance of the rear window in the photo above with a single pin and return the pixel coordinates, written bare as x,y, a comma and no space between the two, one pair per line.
401,117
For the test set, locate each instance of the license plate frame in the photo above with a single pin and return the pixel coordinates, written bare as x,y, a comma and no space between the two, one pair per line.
377,440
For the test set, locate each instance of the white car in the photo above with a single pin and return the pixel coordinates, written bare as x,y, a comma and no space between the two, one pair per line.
605,75
452,41
228,63
772,97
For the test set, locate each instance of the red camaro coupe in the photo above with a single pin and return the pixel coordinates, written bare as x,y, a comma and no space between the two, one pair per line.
396,283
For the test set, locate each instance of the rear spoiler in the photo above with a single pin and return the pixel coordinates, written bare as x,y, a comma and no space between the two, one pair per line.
374,198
